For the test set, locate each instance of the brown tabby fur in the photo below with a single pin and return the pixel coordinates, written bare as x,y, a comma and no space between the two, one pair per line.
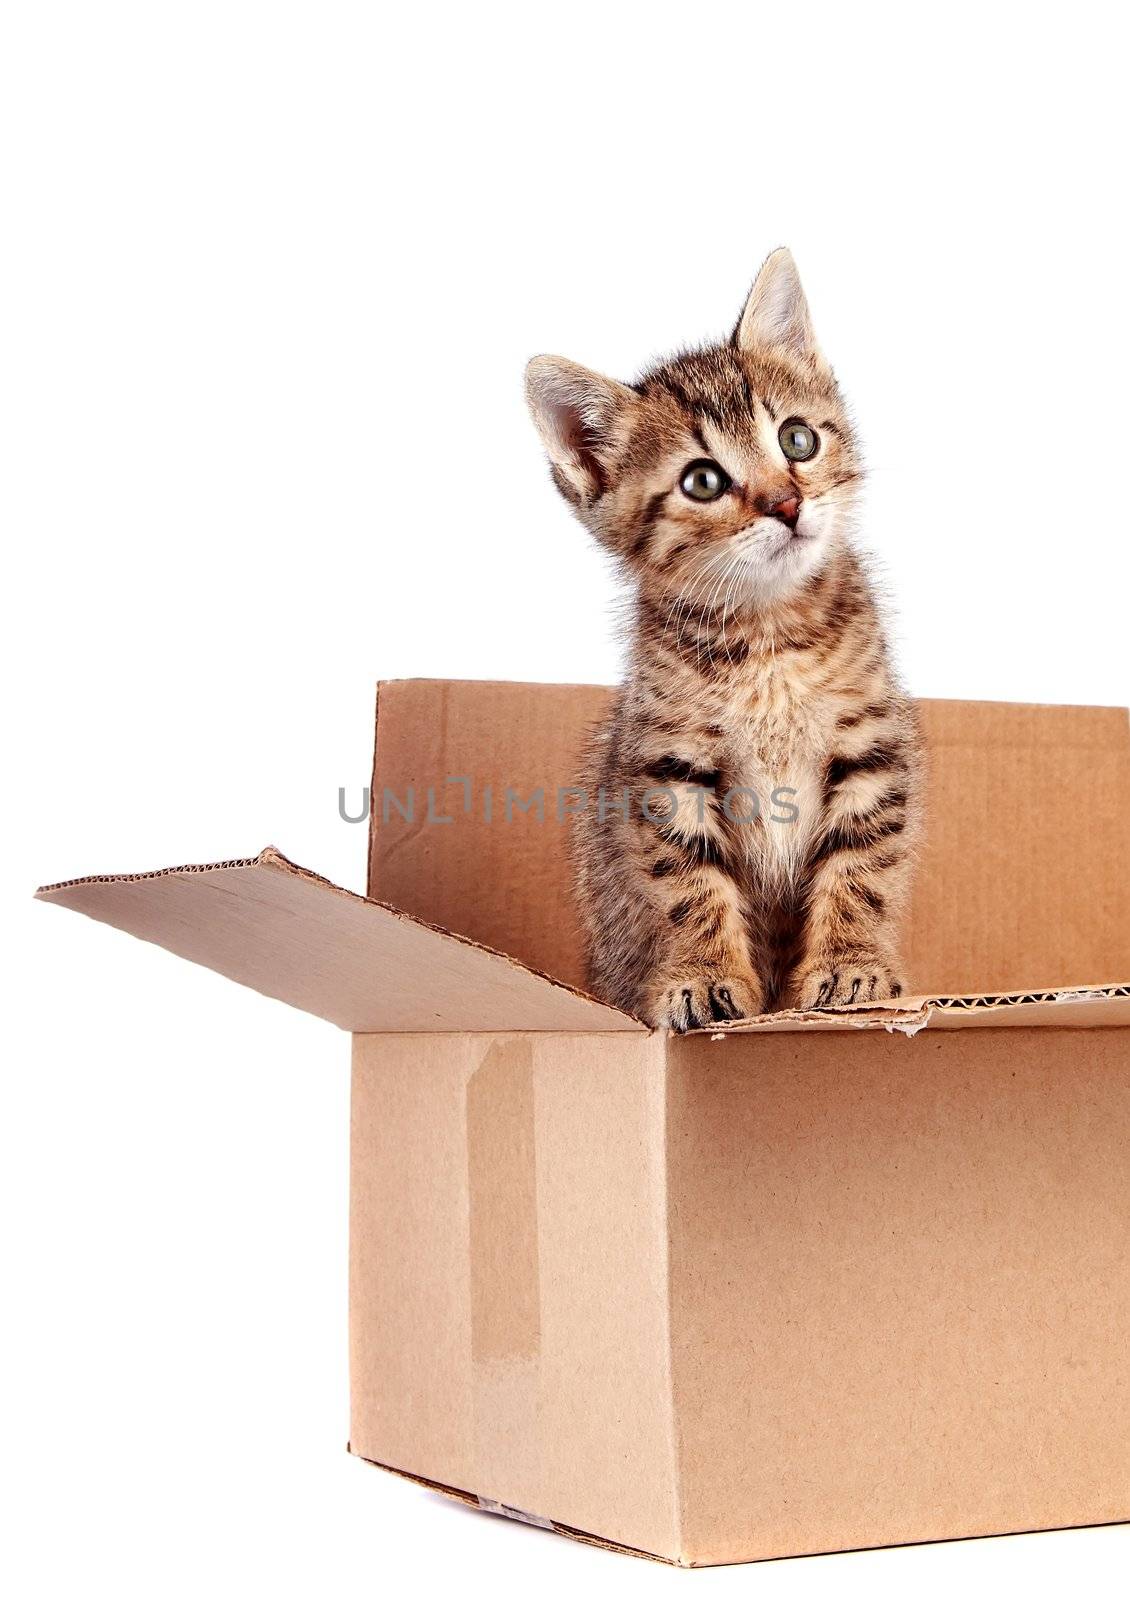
757,668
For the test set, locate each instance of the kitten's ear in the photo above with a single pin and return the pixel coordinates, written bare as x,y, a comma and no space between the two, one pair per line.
776,313
575,411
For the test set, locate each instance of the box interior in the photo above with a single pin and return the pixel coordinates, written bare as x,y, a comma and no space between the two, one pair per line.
1022,884
1020,915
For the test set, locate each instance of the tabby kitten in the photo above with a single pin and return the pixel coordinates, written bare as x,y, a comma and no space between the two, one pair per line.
755,789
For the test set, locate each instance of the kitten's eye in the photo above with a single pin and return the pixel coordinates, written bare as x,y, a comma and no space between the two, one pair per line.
798,440
704,480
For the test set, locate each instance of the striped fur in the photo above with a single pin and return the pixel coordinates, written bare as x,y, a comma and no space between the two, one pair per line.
761,768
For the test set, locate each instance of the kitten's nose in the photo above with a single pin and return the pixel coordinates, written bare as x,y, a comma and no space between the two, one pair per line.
787,510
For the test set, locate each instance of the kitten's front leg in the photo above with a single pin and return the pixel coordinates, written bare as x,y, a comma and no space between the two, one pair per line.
857,879
704,970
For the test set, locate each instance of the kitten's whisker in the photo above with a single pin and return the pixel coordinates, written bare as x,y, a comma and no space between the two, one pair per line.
733,572
735,580
687,599
730,560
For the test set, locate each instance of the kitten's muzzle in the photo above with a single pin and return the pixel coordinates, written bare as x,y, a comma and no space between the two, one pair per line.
786,510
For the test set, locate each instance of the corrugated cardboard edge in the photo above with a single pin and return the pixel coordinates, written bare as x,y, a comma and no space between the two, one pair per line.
477,1503
270,857
910,1015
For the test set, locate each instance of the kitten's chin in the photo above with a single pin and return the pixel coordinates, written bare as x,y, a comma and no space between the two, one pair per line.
783,561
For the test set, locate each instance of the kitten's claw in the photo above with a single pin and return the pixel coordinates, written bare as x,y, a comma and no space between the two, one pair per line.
685,1003
850,980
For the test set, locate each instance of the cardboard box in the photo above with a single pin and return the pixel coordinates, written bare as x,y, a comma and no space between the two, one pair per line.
808,1283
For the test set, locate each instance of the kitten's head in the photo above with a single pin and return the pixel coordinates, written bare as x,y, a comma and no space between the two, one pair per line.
723,477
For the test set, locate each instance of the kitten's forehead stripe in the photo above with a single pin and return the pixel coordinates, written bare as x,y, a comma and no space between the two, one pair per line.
695,404
726,386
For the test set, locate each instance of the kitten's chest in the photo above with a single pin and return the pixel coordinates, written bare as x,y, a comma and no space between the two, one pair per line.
776,748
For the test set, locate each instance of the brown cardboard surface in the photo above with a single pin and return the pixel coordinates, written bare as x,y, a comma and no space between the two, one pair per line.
508,1275
295,936
1023,882
899,1286
722,1301
509,880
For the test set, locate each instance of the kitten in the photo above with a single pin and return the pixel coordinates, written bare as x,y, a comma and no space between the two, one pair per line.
755,790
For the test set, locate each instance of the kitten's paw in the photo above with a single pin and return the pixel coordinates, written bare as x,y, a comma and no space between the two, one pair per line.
699,1000
850,979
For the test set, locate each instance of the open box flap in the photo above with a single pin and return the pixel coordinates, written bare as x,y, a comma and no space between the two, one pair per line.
358,963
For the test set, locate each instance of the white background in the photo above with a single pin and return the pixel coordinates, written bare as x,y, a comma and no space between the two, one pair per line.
271,273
